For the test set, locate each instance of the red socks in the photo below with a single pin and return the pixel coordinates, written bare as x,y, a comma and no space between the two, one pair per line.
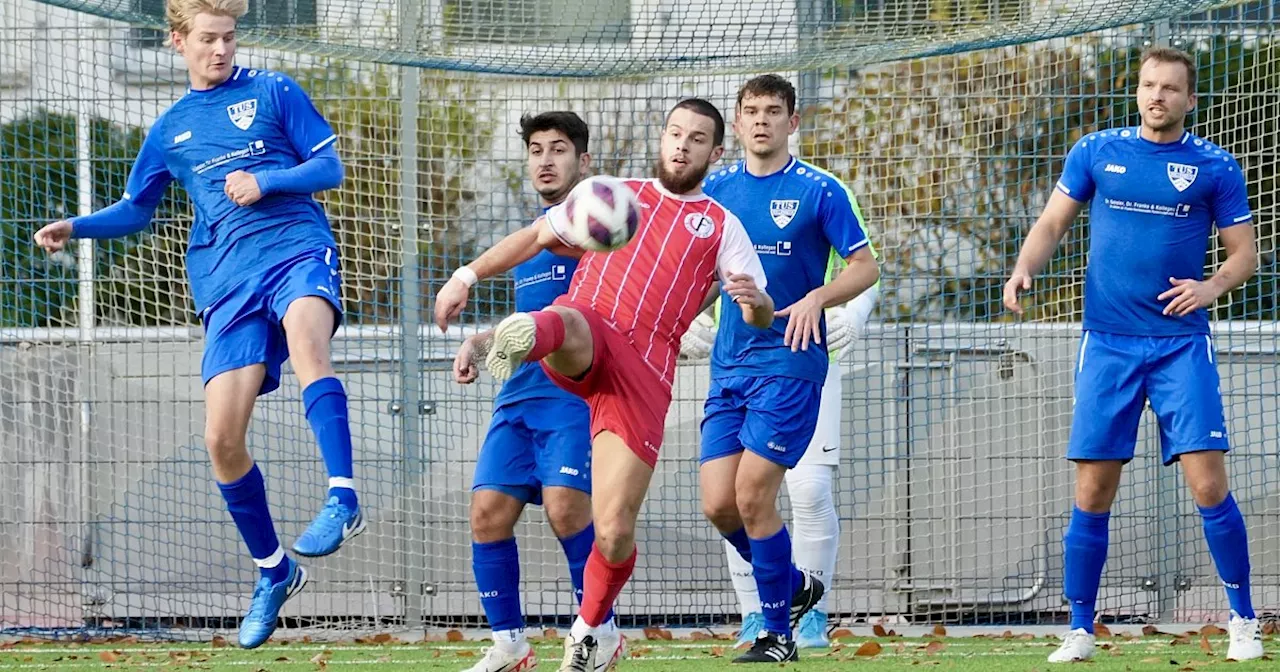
601,583
549,335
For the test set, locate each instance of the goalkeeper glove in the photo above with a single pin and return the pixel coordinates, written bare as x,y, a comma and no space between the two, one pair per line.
699,339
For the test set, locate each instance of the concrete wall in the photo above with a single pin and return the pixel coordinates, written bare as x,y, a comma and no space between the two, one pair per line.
952,491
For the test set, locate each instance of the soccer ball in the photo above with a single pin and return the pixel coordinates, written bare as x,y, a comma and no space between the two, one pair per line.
603,214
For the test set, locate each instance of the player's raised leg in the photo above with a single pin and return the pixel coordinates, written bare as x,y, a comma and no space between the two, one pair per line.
557,334
309,323
229,398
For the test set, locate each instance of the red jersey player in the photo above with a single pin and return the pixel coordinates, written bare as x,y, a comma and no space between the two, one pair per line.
614,338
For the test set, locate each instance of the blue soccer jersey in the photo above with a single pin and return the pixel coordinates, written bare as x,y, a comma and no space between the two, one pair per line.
794,217
1152,212
255,121
538,282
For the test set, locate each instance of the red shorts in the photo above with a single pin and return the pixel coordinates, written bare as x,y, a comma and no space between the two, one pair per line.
625,396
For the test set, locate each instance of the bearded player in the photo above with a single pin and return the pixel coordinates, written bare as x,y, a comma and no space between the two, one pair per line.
538,447
615,337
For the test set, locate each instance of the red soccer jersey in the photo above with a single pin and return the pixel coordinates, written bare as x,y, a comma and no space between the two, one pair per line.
650,290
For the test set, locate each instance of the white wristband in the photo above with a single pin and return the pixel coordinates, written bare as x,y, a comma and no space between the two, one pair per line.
467,276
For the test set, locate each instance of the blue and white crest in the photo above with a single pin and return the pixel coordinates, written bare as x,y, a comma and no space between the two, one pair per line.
783,211
243,113
1182,175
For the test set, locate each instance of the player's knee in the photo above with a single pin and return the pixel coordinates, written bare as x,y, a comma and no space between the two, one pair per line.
810,494
1209,491
756,504
615,536
568,512
722,512
577,333
489,521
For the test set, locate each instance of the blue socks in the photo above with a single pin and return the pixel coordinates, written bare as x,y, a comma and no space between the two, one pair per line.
577,549
1085,553
741,542
771,561
325,401
1229,545
497,568
247,501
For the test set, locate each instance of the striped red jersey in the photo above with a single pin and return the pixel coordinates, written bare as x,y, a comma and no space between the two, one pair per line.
651,290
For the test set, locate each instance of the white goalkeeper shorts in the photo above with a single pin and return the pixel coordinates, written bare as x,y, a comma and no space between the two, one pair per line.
825,447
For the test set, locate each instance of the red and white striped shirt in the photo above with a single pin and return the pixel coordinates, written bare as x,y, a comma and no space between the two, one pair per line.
651,290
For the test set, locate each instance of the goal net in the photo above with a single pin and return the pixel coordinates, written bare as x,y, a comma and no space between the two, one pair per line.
948,119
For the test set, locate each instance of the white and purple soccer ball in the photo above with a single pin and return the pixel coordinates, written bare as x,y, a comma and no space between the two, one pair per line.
603,214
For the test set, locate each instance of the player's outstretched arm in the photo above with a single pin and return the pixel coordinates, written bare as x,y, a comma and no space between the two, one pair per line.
508,253
320,172
1041,241
132,213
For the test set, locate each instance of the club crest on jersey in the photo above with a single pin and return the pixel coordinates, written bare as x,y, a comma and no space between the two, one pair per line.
1182,175
243,113
783,211
699,225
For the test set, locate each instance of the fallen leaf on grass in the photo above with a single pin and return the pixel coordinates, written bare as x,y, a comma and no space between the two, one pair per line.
467,654
384,637
1150,630
717,651
320,658
1026,635
1180,640
842,633
1205,645
699,636
934,647
939,630
879,630
1125,635
1212,630
657,633
551,633
219,641
452,636
306,639
869,649
1100,630
1269,628
108,656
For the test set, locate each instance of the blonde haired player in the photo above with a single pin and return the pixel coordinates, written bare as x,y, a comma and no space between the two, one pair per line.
250,149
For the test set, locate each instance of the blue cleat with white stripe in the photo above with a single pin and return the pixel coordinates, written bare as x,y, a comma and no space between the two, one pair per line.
335,524
268,597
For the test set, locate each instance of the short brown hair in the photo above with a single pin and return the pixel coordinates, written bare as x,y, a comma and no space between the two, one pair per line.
1171,55
770,85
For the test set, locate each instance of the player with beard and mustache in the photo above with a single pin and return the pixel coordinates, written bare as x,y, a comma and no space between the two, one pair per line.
614,338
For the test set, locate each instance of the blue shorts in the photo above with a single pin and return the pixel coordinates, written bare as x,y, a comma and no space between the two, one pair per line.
535,444
1116,375
245,327
771,416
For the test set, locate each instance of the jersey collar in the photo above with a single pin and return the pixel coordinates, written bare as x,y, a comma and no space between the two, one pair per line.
236,72
786,170
689,198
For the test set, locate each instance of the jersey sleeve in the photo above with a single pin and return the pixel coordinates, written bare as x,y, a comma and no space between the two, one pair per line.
1077,172
737,254
1231,198
558,221
149,176
303,124
840,220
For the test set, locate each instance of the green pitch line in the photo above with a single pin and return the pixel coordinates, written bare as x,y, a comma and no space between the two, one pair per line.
1161,652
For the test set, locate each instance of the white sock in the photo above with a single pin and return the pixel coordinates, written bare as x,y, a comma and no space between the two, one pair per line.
510,641
744,580
815,526
609,628
580,629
